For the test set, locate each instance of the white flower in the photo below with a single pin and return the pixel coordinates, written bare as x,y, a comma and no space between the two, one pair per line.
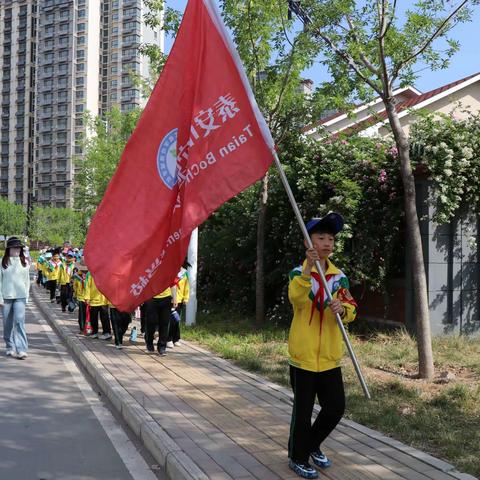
467,152
448,172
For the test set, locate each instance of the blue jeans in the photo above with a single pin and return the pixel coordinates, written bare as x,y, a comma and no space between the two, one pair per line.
14,332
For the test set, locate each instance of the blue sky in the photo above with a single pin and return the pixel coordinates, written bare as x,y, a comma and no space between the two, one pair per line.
464,63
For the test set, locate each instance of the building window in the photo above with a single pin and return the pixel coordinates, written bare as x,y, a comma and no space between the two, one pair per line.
64,27
63,40
81,40
62,82
81,27
63,68
79,108
80,67
80,81
81,13
81,54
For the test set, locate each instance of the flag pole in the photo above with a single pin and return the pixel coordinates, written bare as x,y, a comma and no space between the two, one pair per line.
298,215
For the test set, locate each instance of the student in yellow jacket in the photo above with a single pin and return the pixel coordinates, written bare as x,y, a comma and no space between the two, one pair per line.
98,305
180,296
315,347
64,280
157,311
51,272
79,279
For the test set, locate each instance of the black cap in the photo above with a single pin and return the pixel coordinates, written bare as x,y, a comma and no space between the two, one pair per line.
14,242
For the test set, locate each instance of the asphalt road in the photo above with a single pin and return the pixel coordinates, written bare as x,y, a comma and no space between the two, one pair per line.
55,425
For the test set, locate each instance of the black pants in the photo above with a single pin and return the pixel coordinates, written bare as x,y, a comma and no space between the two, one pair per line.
142,317
103,312
328,387
82,314
39,277
66,293
51,286
174,330
120,322
157,317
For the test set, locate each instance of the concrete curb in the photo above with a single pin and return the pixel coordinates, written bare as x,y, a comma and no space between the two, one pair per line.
174,461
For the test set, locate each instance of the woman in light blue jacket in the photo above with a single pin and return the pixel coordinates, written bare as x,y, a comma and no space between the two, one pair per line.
14,289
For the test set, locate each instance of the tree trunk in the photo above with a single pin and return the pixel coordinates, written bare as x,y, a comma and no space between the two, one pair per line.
260,265
420,295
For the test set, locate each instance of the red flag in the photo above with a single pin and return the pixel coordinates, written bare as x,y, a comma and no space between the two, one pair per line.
200,141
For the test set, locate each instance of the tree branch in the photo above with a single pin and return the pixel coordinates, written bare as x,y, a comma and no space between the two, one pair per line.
284,85
363,57
344,55
432,37
392,16
381,47
349,60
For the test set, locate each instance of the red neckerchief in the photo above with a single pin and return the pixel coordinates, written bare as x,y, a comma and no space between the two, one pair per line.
318,298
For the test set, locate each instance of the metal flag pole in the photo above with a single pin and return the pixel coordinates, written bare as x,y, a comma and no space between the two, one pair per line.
296,210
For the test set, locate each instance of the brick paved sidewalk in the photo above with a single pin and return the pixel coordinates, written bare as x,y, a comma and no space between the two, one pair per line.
203,418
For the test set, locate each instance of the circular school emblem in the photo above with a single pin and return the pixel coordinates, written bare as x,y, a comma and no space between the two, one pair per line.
167,159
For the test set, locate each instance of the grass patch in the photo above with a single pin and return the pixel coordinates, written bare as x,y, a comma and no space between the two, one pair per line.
440,418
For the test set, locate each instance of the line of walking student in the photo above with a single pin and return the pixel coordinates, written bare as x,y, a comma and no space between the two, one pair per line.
65,276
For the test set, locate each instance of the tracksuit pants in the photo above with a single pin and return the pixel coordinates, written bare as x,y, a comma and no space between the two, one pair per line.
101,310
157,318
328,388
120,322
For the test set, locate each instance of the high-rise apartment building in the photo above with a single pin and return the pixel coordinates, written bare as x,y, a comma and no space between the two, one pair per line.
71,56
17,98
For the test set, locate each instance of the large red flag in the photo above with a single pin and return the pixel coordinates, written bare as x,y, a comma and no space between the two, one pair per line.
200,140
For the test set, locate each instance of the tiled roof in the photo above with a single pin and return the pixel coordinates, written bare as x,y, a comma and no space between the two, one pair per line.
382,115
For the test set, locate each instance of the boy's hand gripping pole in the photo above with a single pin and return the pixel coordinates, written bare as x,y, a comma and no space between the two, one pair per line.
296,210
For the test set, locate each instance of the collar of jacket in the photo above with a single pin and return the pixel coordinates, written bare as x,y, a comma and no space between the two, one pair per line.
331,268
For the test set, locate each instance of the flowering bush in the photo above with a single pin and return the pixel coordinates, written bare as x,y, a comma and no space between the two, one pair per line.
358,178
449,149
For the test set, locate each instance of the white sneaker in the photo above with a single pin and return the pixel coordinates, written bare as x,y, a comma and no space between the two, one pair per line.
177,344
94,335
105,336
10,352
118,347
21,355
169,344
